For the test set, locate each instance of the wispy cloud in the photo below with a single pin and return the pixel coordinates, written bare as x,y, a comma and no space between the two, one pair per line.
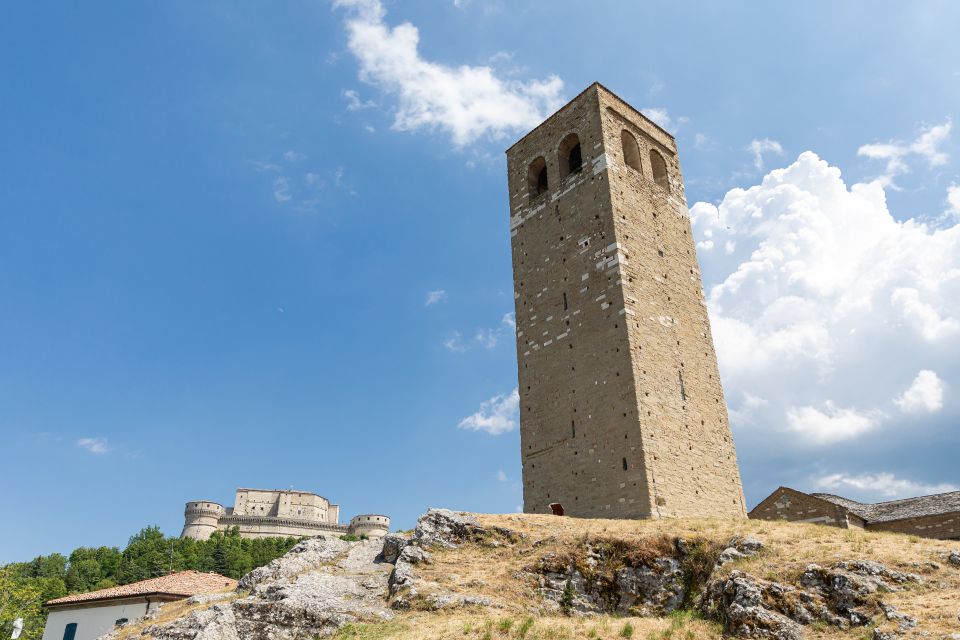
762,146
455,343
496,416
434,297
355,103
895,153
880,485
466,102
281,189
664,119
96,446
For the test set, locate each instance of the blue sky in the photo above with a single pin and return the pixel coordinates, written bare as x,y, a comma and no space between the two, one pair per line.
266,244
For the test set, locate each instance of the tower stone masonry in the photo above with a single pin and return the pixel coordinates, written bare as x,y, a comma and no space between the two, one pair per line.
622,414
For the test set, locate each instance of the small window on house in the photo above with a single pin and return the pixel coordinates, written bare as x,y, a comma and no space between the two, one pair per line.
556,508
631,150
537,177
659,167
571,160
70,631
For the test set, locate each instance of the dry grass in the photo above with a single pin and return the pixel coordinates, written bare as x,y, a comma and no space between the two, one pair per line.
497,571
477,626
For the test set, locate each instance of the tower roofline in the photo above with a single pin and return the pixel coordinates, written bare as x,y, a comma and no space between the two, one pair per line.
593,85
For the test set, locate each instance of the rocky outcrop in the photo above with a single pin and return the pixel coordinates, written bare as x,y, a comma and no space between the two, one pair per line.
436,529
954,558
319,586
323,584
843,596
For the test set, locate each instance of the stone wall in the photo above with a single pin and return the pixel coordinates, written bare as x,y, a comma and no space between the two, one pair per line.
622,413
945,526
794,506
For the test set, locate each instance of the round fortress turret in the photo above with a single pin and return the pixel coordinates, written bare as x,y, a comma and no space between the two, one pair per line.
200,519
371,525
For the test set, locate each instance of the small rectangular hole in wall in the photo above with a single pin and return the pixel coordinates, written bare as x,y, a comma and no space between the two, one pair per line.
624,464
573,428
565,306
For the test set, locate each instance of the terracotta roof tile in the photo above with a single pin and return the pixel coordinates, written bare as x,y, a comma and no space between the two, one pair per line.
182,583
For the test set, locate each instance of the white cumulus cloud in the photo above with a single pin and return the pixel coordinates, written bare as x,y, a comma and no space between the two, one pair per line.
821,288
953,199
878,486
94,445
925,394
496,416
831,425
466,102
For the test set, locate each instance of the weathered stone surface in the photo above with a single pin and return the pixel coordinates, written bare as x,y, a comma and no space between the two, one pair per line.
393,544
604,583
307,555
738,600
904,622
319,586
446,528
954,558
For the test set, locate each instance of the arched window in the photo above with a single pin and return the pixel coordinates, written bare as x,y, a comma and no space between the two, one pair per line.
571,160
537,177
631,150
659,166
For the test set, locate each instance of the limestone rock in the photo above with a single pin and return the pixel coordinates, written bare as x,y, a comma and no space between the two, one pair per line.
393,544
656,587
446,528
738,601
319,586
904,622
309,554
954,558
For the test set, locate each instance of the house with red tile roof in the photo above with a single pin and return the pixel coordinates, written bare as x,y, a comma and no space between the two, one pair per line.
86,616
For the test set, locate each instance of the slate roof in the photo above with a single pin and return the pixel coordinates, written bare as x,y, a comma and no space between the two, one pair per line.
937,504
181,584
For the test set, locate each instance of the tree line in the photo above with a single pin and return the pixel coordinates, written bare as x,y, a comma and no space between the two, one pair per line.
25,586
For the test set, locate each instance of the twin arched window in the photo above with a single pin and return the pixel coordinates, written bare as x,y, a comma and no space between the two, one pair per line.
631,156
571,161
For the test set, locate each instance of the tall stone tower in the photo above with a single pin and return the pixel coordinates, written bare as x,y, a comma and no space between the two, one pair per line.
622,412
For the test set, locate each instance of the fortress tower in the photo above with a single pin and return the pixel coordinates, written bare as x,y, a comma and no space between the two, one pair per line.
622,412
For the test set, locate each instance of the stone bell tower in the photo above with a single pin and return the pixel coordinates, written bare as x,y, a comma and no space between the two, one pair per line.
621,410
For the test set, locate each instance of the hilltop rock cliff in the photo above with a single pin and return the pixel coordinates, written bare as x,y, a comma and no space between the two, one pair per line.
564,569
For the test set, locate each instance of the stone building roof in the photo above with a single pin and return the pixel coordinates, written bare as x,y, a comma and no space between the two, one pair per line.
898,509
182,584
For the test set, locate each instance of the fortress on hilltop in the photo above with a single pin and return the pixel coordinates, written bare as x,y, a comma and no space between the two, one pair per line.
621,410
260,513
